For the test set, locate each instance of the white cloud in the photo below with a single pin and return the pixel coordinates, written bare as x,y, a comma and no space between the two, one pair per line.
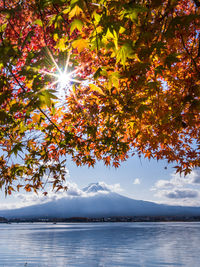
179,194
136,181
32,198
179,190
27,199
113,188
73,190
189,202
178,180
9,206
162,184
195,176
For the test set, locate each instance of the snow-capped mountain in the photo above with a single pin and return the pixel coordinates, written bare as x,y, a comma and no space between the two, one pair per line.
96,187
98,200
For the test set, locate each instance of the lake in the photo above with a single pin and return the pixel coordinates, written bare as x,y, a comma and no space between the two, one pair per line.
100,244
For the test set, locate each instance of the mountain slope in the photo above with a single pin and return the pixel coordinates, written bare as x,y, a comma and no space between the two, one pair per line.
100,202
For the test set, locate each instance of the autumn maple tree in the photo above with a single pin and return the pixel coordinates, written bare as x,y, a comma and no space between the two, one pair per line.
133,85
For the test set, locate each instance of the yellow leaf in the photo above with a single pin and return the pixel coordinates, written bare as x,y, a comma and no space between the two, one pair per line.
99,29
114,79
55,37
80,44
66,11
61,45
59,112
122,29
95,88
76,11
109,34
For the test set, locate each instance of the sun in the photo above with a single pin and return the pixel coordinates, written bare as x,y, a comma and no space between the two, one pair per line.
63,78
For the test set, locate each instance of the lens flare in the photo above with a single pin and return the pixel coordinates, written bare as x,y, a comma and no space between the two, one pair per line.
63,79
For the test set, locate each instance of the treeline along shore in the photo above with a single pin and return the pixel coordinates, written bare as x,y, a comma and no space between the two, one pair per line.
104,219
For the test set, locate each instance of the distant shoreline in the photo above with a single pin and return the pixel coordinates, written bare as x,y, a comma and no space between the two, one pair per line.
104,219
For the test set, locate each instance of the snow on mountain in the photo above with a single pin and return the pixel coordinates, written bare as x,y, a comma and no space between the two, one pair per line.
98,200
96,187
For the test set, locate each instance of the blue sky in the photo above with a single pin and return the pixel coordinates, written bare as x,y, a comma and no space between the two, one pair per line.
136,178
145,171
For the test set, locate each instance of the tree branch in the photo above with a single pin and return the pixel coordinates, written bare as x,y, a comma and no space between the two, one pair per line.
189,54
50,120
23,88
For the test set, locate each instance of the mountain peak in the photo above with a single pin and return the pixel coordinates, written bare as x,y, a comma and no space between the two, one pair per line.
96,187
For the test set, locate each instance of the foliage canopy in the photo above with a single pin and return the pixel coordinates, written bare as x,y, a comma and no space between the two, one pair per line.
136,85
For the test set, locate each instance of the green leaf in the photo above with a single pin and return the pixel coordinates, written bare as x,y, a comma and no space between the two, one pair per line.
3,116
126,51
171,59
142,109
114,79
73,2
18,147
76,24
3,27
46,97
133,11
38,22
97,73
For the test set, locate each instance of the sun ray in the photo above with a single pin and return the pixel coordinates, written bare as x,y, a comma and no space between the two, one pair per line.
53,60
67,62
63,79
54,83
76,81
50,73
74,71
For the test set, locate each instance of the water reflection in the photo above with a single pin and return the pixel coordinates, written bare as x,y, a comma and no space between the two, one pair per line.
100,244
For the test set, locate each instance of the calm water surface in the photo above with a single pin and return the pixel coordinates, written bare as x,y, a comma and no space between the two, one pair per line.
100,244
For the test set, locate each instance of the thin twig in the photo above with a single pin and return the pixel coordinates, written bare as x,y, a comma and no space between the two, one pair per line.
50,120
189,54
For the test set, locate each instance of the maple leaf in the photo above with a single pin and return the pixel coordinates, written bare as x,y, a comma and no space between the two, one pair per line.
141,90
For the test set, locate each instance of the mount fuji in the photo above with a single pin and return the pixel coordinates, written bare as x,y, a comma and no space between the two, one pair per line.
98,200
